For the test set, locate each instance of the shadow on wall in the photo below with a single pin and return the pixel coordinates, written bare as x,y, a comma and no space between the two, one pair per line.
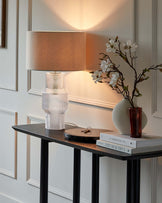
83,14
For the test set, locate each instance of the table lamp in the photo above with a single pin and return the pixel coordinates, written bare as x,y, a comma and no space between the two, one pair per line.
57,51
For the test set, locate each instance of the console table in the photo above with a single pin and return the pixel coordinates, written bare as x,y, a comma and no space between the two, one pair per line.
57,136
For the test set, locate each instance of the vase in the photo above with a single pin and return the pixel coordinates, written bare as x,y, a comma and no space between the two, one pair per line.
135,115
121,119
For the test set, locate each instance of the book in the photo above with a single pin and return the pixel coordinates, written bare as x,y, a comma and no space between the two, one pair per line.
144,141
126,149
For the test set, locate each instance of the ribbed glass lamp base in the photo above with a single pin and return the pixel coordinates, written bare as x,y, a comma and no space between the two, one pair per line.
54,121
54,102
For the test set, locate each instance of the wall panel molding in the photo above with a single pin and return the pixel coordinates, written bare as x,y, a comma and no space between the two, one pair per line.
134,20
155,112
55,191
154,163
14,86
7,198
36,119
3,171
91,102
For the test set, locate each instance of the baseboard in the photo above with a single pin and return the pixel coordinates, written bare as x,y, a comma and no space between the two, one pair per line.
8,199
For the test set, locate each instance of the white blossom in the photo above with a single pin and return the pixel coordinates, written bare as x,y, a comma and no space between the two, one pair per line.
134,47
129,45
111,46
114,79
105,65
97,76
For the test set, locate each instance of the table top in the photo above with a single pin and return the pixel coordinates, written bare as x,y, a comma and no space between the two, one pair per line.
57,136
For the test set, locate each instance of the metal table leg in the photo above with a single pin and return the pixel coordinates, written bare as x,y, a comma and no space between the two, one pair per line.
44,172
95,178
76,176
133,181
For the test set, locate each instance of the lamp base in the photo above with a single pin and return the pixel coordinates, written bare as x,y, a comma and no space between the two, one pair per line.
54,121
54,101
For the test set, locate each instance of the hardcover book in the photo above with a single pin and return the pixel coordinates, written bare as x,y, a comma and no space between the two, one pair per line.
126,149
125,140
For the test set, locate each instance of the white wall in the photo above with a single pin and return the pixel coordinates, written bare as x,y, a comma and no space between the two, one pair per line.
20,99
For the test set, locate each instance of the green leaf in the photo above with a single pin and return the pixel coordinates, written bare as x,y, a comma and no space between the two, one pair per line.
137,90
125,88
140,95
146,78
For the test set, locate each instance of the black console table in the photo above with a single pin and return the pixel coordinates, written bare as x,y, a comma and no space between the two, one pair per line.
46,136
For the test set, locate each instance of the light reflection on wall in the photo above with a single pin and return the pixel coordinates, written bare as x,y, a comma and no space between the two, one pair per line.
84,14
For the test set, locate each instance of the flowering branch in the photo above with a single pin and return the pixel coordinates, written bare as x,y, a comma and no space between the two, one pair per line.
111,74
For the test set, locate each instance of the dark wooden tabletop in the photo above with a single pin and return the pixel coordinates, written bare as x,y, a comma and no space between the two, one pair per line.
57,136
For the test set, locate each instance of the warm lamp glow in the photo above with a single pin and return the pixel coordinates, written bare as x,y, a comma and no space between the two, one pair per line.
84,14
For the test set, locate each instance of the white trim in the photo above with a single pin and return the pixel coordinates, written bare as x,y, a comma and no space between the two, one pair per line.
29,119
154,58
55,191
28,80
15,88
29,15
34,118
8,173
11,174
35,92
155,112
134,20
154,180
92,102
10,198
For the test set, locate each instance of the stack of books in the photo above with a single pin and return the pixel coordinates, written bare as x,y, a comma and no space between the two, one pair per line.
124,143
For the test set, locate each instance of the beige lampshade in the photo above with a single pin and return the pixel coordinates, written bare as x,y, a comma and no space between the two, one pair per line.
63,51
56,51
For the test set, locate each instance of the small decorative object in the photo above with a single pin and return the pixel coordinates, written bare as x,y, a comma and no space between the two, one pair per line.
83,134
136,121
121,119
112,74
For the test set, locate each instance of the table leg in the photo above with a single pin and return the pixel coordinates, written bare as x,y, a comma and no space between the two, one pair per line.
133,181
44,172
76,176
95,178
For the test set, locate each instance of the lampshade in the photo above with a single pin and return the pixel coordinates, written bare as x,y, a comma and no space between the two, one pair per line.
56,51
